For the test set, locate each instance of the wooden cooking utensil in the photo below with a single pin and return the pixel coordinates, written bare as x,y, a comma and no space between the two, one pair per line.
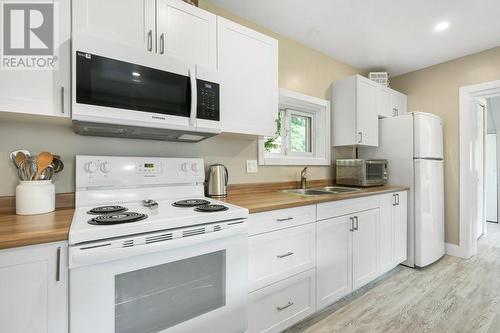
43,160
20,157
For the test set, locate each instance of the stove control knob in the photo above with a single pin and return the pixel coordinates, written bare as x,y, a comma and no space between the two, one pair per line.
195,167
184,167
90,167
105,167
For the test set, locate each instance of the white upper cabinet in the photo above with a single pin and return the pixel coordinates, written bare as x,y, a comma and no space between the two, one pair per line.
248,67
355,112
357,104
187,32
366,114
42,91
399,103
127,22
170,27
34,289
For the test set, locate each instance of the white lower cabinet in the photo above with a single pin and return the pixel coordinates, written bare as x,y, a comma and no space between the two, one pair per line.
333,263
347,254
280,305
297,267
365,247
34,289
277,255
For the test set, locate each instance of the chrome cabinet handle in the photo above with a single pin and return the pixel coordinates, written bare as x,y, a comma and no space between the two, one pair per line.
58,264
284,219
360,137
150,40
394,202
281,308
284,255
162,43
352,224
356,227
62,100
397,197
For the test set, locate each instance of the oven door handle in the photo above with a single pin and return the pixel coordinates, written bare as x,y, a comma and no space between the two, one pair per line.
194,97
84,255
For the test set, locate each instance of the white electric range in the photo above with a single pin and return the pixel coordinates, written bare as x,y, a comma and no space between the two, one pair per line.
149,253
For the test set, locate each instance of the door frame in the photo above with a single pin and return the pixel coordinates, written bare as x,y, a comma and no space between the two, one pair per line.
467,95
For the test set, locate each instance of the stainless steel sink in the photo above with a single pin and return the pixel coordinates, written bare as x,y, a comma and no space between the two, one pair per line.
301,191
321,190
336,189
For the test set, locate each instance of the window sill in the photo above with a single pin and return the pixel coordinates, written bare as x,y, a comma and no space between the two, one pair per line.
294,160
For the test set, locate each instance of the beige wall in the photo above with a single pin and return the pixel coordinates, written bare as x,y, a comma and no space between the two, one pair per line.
435,90
300,68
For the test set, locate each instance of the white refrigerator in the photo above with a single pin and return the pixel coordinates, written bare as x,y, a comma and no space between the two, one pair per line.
413,145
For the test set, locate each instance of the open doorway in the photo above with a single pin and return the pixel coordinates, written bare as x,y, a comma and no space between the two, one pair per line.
492,155
478,163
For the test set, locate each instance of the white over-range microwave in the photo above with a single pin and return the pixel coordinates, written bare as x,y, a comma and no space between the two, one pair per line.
122,91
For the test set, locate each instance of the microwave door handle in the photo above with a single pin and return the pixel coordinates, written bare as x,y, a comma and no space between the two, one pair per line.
194,95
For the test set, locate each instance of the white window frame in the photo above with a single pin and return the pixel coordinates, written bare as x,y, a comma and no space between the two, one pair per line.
304,105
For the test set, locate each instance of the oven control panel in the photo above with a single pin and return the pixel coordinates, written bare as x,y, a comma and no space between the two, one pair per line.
137,171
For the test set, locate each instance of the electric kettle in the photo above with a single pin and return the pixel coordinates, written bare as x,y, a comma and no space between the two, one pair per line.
217,180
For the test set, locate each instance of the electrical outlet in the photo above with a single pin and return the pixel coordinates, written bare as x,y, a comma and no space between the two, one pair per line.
251,166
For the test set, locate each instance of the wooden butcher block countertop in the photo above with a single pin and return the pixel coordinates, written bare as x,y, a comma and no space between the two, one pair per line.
17,230
263,201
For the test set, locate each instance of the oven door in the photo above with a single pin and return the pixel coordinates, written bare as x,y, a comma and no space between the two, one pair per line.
195,283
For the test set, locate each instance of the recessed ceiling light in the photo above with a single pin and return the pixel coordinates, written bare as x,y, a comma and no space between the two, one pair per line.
441,26
136,74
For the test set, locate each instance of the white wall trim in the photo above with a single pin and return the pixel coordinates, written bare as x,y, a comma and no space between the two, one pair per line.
467,238
455,251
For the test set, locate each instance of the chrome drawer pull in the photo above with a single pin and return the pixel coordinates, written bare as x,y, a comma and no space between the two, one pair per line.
284,219
281,308
284,255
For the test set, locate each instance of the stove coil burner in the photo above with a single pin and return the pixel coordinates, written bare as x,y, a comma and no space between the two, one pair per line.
211,208
107,210
109,219
190,203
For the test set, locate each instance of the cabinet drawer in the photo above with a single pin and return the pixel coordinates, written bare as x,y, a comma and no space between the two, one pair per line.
277,255
274,308
328,210
281,218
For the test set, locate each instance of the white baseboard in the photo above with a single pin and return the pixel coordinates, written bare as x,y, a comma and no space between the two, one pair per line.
455,251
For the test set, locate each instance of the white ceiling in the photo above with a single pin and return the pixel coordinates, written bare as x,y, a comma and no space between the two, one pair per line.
393,35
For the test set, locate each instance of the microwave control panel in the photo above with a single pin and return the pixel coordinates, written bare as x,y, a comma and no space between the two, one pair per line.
208,100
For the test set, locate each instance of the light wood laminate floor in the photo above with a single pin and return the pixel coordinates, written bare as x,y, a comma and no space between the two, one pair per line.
452,295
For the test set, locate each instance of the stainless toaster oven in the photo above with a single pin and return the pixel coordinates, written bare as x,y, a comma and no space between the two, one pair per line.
361,172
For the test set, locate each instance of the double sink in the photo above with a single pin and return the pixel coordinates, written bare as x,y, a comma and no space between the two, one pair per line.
321,190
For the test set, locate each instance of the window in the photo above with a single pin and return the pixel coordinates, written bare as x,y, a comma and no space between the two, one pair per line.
302,132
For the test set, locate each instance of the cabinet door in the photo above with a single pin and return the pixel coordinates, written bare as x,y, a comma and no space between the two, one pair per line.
398,103
365,248
248,65
333,260
400,218
187,32
386,233
127,22
367,112
40,91
384,102
33,289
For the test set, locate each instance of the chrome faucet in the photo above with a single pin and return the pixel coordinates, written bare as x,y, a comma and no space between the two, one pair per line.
303,178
